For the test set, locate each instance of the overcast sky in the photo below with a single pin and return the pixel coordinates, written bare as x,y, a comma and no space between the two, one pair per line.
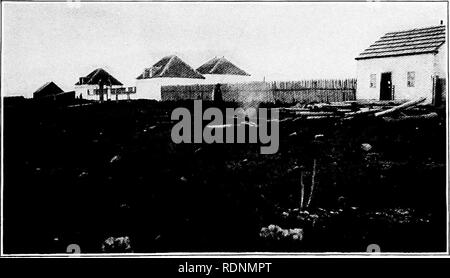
279,41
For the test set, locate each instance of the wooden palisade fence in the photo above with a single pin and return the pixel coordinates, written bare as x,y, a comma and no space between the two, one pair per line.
305,91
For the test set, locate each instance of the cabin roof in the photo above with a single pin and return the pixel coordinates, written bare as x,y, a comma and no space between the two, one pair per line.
409,42
98,75
170,66
49,88
220,66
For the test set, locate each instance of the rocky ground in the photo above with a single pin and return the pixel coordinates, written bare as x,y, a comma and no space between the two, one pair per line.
109,178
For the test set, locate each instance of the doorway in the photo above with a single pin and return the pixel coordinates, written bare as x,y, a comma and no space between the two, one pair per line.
439,91
386,86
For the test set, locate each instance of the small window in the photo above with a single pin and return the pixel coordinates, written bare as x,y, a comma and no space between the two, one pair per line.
411,78
373,80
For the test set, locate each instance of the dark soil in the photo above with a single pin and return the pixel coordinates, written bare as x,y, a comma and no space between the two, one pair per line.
84,174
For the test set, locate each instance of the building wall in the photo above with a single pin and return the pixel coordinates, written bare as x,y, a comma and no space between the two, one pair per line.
440,69
440,62
422,65
151,88
87,92
120,97
225,79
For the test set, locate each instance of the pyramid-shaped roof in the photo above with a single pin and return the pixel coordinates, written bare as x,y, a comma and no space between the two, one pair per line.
49,88
220,66
170,66
97,76
409,42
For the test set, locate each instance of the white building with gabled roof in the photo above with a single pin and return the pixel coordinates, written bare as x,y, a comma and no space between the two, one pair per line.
405,65
170,70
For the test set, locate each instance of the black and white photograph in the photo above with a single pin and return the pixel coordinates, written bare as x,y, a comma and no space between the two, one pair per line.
162,129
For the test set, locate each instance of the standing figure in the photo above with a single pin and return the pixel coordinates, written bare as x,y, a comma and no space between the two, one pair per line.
217,96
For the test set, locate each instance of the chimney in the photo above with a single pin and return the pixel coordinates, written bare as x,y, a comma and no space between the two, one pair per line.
442,22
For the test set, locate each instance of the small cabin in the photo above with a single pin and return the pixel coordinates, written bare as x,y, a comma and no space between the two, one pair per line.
48,90
52,93
98,85
405,65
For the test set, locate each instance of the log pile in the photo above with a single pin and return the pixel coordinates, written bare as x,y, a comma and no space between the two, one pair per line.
388,110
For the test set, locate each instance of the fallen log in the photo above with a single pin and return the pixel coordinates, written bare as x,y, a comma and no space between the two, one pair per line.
400,107
341,110
362,113
372,102
427,116
294,109
341,104
322,117
317,113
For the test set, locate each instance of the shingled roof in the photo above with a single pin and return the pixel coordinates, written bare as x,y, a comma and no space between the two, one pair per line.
170,66
220,66
98,75
410,42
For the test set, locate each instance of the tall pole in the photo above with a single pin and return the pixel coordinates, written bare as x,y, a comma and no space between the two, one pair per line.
100,91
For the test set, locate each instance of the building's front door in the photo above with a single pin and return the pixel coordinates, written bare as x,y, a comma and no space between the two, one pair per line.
439,90
386,86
